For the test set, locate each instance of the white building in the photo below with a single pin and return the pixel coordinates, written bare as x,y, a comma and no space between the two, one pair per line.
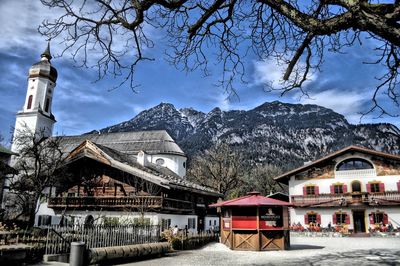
355,186
36,114
132,175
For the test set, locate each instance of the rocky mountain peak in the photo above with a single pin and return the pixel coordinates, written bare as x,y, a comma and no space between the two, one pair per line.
274,132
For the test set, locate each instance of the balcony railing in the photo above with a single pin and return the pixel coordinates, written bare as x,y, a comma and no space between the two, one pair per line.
362,173
346,199
151,202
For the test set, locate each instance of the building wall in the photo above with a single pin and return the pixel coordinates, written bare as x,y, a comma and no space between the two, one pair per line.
297,215
324,182
175,163
211,222
385,171
181,220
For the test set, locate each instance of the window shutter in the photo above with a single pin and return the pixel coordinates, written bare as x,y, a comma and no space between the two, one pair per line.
332,187
316,190
347,219
398,186
304,191
305,218
381,187
334,218
371,218
318,219
368,187
344,188
385,218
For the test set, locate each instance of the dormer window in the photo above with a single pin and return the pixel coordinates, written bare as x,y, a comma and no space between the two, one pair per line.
354,164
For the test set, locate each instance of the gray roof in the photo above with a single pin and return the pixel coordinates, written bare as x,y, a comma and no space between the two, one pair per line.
152,142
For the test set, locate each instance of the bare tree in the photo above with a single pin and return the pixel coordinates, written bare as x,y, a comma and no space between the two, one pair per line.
261,178
145,191
295,33
220,168
37,165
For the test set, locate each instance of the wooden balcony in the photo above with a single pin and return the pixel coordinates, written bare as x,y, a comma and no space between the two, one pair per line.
127,203
348,199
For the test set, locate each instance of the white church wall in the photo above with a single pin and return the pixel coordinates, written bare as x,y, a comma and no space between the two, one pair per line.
175,163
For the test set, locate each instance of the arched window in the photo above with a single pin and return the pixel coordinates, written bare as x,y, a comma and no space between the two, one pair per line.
46,109
356,186
354,164
29,102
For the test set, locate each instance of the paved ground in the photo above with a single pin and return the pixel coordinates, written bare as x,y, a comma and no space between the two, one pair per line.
304,251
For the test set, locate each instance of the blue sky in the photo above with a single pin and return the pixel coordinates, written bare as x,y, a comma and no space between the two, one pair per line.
80,105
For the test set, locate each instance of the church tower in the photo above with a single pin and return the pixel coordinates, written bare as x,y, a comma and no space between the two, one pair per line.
36,113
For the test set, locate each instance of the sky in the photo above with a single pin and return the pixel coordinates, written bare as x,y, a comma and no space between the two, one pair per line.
80,104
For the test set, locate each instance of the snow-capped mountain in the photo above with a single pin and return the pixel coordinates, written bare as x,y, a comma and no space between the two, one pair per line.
278,133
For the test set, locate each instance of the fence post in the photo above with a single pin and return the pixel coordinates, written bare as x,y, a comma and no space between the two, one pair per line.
77,253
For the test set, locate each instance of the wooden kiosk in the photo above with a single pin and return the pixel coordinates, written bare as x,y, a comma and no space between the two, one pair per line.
254,222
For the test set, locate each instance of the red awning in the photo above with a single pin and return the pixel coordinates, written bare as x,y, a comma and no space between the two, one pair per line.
252,199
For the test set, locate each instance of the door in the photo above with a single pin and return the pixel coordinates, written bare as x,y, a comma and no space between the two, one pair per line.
359,221
200,224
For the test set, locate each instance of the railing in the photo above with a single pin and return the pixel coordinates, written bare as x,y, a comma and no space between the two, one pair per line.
385,198
59,238
152,202
177,204
324,200
104,202
356,173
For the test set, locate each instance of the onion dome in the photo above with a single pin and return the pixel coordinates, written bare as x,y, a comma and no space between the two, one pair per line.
43,68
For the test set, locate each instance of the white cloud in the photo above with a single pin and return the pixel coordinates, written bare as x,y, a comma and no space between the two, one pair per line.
270,73
348,103
19,21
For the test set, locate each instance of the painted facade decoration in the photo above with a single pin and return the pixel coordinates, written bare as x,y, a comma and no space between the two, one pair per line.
355,188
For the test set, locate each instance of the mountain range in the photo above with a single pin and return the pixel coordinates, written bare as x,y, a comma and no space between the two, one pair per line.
276,133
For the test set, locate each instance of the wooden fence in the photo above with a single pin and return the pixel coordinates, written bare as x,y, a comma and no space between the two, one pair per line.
59,238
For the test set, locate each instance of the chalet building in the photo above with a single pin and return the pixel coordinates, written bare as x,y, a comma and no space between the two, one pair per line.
113,178
111,186
355,187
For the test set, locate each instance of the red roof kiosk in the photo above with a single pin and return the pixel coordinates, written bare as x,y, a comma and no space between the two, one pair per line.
254,222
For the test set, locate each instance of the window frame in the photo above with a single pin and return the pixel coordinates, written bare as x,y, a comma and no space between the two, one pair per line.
309,189
339,187
378,217
191,223
340,218
30,100
314,215
375,187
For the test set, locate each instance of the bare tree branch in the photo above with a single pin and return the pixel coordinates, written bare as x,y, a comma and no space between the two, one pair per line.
297,36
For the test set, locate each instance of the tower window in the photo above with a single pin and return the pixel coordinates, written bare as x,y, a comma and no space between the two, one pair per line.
47,105
29,102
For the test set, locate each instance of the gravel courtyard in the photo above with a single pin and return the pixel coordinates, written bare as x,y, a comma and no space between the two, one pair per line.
304,251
